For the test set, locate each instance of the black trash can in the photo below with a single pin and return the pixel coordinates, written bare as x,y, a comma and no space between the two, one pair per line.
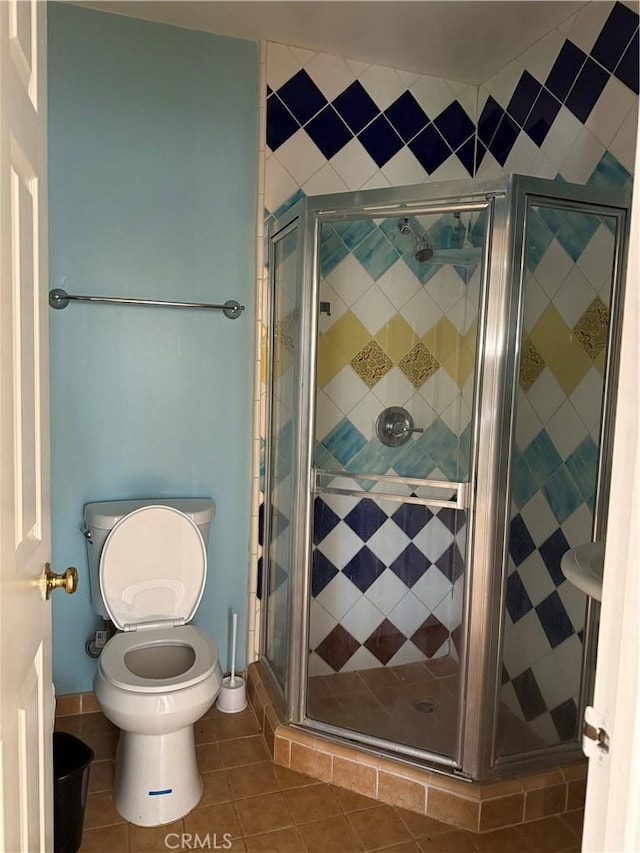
71,761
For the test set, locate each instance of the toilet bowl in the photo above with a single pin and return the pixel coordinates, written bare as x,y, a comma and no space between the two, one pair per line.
158,675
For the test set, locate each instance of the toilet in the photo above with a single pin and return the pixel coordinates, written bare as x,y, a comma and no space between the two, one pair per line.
157,675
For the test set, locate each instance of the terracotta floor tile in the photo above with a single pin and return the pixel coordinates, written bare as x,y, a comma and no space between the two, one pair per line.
244,750
313,803
70,724
421,826
110,839
379,827
100,811
404,847
575,822
151,839
220,819
456,841
208,757
350,801
263,814
96,723
278,841
216,788
101,776
291,779
332,835
251,780
205,731
549,835
236,725
507,840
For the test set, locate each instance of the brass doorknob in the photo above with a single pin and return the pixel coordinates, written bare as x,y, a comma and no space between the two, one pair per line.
68,580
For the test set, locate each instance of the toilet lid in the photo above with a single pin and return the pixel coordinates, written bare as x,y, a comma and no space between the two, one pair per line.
152,568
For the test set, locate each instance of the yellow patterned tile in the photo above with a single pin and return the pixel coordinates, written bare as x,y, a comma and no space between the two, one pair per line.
560,348
336,347
461,363
592,329
396,338
442,340
531,364
418,365
371,363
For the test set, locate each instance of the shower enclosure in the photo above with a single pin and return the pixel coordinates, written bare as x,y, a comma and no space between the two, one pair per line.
441,386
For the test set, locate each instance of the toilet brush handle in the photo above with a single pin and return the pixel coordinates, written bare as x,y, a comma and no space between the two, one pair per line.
234,636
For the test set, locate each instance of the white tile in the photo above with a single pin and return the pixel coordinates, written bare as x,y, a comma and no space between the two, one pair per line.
546,396
340,546
328,415
536,300
362,619
377,181
317,666
364,414
339,595
532,636
282,65
321,623
403,169
338,308
300,156
353,164
386,591
421,410
373,309
540,58
407,653
623,145
574,603
578,528
588,24
457,416
409,614
563,133
346,389
522,155
340,504
388,542
574,297
433,95
513,654
303,55
542,167
505,82
509,698
444,612
551,681
566,430
421,312
279,185
490,169
349,279
463,313
611,109
569,657
382,84
451,170
326,180
357,66
446,287
468,100
432,588
565,26
331,74
544,727
483,97
554,266
440,391
394,389
584,156
587,398
407,77
597,259
536,579
362,659
539,519
433,540
399,284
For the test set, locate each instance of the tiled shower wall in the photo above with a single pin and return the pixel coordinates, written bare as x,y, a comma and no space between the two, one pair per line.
565,109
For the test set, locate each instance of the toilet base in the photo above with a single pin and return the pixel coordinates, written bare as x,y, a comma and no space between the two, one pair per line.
156,779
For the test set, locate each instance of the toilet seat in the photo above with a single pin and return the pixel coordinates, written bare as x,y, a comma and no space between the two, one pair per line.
116,672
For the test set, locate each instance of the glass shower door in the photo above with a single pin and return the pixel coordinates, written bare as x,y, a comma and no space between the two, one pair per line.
399,309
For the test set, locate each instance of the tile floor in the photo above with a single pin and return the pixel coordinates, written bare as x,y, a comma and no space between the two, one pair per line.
264,807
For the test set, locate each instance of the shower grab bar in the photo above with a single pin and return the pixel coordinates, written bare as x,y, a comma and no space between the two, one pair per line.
59,299
461,500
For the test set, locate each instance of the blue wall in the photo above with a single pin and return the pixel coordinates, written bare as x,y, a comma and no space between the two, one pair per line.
152,187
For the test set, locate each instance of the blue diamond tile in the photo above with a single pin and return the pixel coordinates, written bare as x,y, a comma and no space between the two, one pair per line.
562,494
615,36
259,579
541,457
574,229
328,131
301,96
523,484
407,116
609,173
504,139
518,602
586,90
453,519
410,565
467,155
454,125
520,542
324,520
344,441
481,150
565,719
565,70
489,120
380,140
411,518
439,441
583,466
376,254
353,233
451,563
366,518
364,569
356,107
369,459
552,551
554,620
332,250
529,695
413,461
281,125
523,98
322,572
429,149
541,117
628,69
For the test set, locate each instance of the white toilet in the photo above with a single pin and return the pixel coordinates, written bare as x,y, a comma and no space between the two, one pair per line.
158,675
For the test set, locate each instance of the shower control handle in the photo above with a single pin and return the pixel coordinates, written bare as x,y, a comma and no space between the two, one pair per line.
394,426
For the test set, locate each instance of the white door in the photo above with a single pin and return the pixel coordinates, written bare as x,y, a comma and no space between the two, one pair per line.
26,698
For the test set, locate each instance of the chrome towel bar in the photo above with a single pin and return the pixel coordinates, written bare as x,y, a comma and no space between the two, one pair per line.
59,299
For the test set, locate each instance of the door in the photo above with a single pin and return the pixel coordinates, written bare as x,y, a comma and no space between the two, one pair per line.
26,695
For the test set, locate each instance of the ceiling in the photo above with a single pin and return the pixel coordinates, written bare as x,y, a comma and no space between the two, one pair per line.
465,40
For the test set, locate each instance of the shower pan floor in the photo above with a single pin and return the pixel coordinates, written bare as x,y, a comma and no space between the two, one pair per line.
414,704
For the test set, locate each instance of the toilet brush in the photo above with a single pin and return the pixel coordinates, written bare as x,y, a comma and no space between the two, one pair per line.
233,692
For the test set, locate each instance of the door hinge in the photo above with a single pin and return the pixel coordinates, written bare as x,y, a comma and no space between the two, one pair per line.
595,738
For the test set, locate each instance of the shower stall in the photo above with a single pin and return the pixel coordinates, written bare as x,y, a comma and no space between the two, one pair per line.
442,374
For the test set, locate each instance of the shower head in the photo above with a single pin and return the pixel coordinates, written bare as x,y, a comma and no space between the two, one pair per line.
424,250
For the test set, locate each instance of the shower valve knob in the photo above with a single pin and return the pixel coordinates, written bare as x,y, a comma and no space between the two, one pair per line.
394,426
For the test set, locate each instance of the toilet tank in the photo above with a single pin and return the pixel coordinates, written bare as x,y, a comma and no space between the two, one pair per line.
101,517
